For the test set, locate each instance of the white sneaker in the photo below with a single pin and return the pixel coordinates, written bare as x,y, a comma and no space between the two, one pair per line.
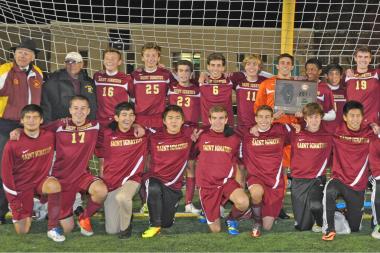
56,235
376,234
316,229
190,208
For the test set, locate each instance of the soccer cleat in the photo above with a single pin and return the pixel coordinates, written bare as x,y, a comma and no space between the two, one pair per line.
329,235
316,228
256,230
376,232
202,217
56,234
283,215
125,234
85,226
232,226
144,208
190,208
151,232
79,210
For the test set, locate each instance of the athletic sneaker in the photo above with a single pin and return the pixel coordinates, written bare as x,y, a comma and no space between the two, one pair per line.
144,208
376,232
202,217
316,228
56,234
125,234
283,215
232,226
85,226
256,230
329,235
151,232
190,208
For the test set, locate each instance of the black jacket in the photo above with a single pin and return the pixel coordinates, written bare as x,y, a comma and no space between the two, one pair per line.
57,91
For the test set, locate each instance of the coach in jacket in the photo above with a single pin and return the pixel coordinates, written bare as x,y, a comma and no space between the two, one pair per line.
65,83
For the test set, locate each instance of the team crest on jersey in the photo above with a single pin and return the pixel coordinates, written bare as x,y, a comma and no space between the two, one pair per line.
36,84
16,81
89,88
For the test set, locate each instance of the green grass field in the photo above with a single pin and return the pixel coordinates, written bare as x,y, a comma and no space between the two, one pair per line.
189,235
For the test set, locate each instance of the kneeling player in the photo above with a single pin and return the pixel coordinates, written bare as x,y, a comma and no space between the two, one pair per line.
124,157
311,149
75,145
374,162
26,164
263,160
349,170
169,149
216,170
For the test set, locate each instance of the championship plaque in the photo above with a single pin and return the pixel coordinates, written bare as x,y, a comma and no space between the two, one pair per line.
291,95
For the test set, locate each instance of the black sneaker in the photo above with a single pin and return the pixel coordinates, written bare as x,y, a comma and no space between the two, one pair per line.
125,234
79,210
283,215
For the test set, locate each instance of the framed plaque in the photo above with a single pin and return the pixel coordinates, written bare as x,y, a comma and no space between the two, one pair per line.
291,95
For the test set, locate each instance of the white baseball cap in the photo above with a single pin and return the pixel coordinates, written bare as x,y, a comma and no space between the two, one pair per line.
73,57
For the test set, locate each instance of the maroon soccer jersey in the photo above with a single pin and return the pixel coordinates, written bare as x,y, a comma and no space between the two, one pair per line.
110,91
262,155
310,153
150,90
374,158
245,97
339,94
216,92
188,98
350,156
26,162
124,157
216,162
74,147
169,155
365,88
325,97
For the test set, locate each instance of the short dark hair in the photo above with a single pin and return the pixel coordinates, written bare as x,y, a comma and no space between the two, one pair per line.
314,61
186,63
363,49
173,108
79,97
217,108
112,50
264,108
311,109
332,67
124,106
216,56
31,108
285,55
352,104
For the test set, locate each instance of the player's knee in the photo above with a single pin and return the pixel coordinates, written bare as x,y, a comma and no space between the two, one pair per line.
122,199
242,202
215,229
316,206
67,228
52,186
100,191
267,226
22,231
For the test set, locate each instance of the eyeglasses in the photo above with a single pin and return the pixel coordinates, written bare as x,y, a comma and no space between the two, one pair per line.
71,62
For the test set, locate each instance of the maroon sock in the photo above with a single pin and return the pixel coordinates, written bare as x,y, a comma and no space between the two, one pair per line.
235,213
54,208
91,208
256,213
190,188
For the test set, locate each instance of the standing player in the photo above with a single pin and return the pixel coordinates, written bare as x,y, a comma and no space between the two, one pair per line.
150,87
325,96
112,86
374,162
26,165
216,89
216,171
349,170
263,161
169,149
265,96
75,144
186,95
364,86
334,74
311,149
124,157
